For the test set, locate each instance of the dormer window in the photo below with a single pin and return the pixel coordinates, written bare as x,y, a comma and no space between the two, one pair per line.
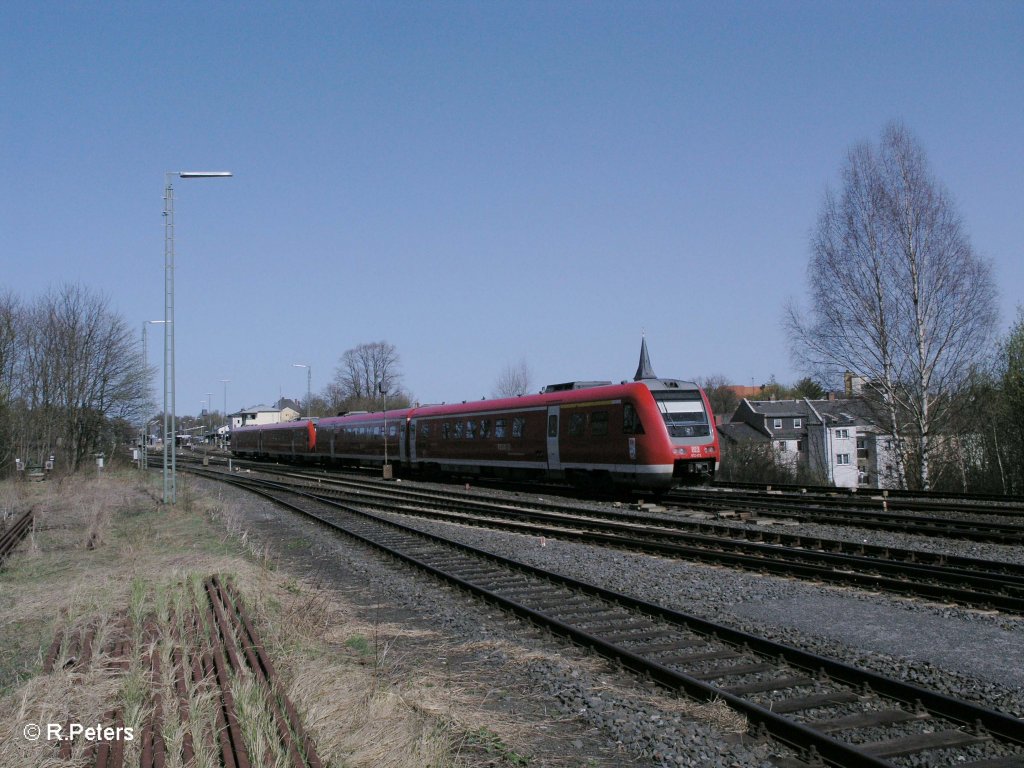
778,424
797,423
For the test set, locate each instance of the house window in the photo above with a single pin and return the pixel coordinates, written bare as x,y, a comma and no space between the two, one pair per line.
799,445
797,423
782,446
777,424
843,433
842,458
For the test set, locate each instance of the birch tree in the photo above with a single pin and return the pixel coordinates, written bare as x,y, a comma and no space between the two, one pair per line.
514,380
897,294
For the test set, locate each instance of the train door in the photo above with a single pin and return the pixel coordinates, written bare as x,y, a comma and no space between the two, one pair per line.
554,462
412,440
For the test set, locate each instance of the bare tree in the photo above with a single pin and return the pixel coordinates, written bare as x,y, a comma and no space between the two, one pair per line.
9,321
363,373
897,294
721,396
514,380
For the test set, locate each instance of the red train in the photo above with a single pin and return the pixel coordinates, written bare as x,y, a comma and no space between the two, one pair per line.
650,434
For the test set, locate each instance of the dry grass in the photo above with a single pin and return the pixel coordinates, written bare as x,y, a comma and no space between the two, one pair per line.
360,702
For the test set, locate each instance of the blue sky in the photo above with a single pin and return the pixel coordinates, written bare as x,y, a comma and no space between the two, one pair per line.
481,183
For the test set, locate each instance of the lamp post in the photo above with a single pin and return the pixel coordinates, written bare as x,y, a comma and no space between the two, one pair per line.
209,408
170,423
309,381
144,456
227,423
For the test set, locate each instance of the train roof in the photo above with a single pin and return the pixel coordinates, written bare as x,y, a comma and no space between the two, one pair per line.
357,417
563,393
278,425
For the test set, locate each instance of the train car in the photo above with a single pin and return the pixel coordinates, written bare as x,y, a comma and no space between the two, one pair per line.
356,439
287,441
649,434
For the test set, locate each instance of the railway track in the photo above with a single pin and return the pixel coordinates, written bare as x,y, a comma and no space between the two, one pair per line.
209,649
13,535
927,497
970,523
826,710
965,581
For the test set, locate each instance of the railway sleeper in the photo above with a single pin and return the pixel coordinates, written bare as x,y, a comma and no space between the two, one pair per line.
920,742
782,683
640,633
866,720
654,648
716,673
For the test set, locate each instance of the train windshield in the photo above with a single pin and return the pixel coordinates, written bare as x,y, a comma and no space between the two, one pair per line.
683,413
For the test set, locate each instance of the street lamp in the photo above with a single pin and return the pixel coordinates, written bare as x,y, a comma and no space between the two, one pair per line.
170,423
144,456
309,381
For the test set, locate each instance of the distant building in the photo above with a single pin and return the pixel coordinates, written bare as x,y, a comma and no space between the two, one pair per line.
263,414
837,439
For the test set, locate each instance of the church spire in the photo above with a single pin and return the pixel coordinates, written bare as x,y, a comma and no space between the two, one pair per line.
644,370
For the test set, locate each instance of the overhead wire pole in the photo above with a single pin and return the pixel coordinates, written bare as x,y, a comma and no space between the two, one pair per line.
170,422
144,456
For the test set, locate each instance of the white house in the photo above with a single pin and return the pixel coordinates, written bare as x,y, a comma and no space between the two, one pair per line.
839,439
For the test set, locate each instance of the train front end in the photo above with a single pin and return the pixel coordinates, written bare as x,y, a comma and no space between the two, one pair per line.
692,439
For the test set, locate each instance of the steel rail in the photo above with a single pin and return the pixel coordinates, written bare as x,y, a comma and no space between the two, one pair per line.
975,585
11,537
802,737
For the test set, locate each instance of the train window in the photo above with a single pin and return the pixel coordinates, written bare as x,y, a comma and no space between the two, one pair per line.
470,430
460,428
425,429
393,430
684,414
631,420
553,425
599,423
485,428
577,424
499,428
446,429
518,425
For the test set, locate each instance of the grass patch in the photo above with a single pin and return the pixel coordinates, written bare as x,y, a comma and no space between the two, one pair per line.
106,554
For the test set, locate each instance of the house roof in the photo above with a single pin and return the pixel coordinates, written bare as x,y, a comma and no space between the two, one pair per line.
780,408
740,431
